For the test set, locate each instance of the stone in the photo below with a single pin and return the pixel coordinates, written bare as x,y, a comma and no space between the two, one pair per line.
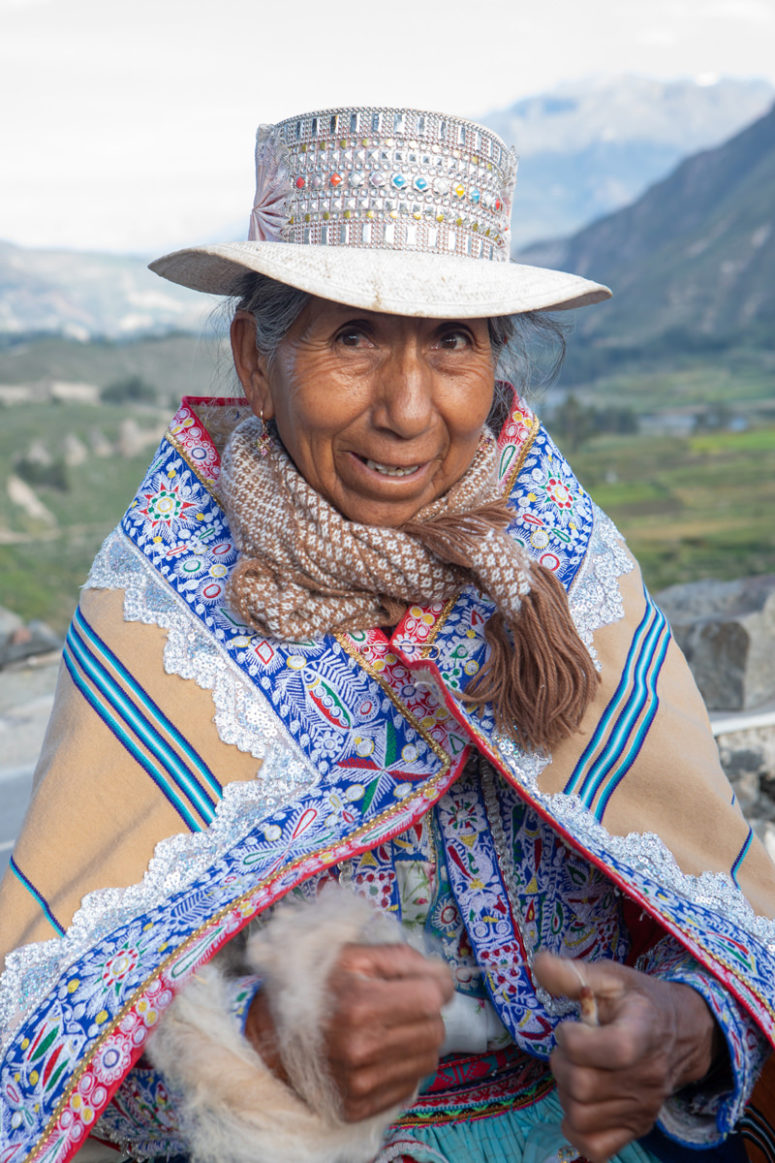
727,632
748,758
765,830
21,642
9,623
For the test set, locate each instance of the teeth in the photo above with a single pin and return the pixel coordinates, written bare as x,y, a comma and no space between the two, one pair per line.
392,470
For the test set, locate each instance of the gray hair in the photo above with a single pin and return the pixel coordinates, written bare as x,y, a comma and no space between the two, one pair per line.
528,348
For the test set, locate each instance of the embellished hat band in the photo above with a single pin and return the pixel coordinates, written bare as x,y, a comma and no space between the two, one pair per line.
384,178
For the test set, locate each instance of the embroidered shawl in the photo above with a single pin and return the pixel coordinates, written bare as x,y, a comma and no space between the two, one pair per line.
193,772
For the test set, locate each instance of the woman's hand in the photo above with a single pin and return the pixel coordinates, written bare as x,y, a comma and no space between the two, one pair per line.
384,1031
653,1037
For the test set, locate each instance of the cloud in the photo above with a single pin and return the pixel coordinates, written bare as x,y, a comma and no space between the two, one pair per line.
754,11
661,37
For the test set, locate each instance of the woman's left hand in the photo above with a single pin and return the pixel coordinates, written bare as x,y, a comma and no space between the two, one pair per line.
653,1038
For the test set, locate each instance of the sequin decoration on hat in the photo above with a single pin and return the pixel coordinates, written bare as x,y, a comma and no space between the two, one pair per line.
394,210
384,178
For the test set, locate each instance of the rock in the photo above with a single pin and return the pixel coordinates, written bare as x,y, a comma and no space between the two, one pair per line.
9,623
74,450
130,441
20,493
39,453
748,758
18,642
100,445
766,833
727,632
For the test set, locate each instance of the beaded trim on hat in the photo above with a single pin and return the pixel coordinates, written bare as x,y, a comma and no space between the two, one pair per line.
394,179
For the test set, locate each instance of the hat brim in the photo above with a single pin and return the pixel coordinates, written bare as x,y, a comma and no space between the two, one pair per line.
397,282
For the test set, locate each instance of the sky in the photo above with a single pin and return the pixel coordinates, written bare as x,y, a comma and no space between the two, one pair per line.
130,126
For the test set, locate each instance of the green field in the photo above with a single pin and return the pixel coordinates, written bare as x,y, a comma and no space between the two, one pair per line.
690,507
698,507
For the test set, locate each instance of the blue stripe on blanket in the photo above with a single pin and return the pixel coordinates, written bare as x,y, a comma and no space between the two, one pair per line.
741,856
145,735
41,900
211,788
105,712
623,726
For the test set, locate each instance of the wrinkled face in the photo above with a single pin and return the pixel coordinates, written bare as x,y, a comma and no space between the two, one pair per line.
380,413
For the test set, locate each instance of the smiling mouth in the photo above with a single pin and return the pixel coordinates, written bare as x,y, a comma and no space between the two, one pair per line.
391,470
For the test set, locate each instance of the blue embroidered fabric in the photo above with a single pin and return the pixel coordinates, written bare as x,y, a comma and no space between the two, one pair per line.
565,904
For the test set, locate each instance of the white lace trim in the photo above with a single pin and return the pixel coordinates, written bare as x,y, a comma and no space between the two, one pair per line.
595,598
644,852
595,601
241,718
242,714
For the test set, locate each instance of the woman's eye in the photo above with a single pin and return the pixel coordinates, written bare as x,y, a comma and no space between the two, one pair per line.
352,337
455,340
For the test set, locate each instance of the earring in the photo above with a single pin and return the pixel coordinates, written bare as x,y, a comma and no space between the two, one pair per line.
264,439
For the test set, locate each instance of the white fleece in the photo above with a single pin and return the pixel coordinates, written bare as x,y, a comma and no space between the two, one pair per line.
233,1107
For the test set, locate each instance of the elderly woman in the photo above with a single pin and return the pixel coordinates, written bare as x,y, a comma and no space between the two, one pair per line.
364,674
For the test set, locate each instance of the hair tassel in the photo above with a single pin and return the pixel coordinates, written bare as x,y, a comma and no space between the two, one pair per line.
538,674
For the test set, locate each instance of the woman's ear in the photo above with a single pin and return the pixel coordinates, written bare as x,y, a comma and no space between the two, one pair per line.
251,365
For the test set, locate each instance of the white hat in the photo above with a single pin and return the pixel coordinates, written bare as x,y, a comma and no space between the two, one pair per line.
394,210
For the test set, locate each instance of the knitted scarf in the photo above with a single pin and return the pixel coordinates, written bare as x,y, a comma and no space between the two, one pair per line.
305,571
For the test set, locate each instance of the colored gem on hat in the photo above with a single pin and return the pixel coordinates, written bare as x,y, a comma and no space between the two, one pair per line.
329,180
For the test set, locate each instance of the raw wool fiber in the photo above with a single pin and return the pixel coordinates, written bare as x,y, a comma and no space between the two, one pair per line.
233,1106
306,571
294,955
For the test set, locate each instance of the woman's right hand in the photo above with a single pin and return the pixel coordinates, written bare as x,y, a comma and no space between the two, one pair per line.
384,1030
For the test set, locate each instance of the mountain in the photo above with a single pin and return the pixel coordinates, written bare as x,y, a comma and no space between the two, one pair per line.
586,149
694,255
85,294
589,148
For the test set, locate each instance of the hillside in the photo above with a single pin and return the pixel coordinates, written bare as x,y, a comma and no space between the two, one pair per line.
172,365
83,293
692,258
589,148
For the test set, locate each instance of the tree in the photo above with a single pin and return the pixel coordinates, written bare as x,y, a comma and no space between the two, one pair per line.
128,390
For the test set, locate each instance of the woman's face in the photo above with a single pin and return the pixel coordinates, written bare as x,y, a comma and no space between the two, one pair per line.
380,413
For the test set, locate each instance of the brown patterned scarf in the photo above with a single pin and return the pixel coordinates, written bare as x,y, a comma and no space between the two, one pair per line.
305,571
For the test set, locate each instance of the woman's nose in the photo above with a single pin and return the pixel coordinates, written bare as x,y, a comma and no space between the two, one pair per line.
405,394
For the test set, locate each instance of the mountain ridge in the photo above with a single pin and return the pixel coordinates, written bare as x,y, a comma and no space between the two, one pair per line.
694,254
